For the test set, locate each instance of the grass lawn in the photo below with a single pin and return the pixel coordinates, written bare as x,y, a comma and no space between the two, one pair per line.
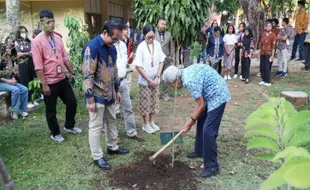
36,162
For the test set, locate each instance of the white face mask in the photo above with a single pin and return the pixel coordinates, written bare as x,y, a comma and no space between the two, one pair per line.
23,35
298,8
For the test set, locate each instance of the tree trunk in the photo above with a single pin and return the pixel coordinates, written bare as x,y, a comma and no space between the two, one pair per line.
5,178
254,14
298,99
12,15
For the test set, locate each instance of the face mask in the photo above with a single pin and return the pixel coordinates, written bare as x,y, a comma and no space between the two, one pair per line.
298,8
23,35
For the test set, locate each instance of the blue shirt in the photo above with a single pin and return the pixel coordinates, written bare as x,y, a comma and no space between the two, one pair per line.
100,72
203,80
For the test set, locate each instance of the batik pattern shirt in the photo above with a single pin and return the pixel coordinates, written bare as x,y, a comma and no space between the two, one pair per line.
202,80
100,72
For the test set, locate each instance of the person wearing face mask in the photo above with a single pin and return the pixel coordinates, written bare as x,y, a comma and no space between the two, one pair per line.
50,59
24,60
102,90
301,30
165,39
149,63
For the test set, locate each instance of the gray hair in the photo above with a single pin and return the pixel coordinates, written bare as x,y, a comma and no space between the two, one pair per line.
170,74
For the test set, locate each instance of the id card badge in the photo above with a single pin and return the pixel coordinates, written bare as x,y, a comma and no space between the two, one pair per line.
59,69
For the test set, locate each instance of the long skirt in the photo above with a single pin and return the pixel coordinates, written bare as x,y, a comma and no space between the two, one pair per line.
228,60
149,100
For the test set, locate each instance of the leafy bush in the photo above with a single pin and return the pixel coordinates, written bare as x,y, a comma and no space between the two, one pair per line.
35,87
275,126
295,170
78,37
195,50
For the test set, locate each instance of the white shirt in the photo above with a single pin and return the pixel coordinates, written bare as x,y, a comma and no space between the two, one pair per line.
122,58
230,39
144,60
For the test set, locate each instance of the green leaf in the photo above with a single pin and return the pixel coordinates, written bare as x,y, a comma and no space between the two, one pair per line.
300,138
267,120
299,176
290,152
263,131
298,120
262,143
275,180
268,157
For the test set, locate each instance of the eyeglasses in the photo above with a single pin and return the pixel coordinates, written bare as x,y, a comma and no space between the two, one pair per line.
115,40
150,37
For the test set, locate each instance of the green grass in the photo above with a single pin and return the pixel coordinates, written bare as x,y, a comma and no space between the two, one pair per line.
36,162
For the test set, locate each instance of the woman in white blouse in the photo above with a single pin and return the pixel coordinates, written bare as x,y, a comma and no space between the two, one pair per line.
149,63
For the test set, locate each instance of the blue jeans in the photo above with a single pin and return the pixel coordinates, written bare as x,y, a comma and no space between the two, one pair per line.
299,41
19,96
204,56
208,125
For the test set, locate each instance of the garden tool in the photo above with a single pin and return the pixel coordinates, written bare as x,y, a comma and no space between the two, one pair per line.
152,158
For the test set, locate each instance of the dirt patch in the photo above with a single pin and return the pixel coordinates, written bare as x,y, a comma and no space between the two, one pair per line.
158,175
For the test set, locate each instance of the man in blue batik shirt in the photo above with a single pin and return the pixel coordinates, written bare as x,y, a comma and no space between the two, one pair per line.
211,93
101,90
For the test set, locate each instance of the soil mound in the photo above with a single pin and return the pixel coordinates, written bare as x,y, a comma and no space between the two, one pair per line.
157,175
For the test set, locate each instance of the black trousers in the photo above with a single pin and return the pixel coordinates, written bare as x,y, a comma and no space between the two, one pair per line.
220,67
64,91
237,60
27,74
265,68
245,63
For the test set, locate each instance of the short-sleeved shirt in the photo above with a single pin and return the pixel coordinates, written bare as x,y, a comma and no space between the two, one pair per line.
100,72
203,80
267,43
282,44
230,39
147,62
45,59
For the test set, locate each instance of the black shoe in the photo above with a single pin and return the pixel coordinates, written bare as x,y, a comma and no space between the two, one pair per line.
292,58
118,116
209,172
102,163
118,151
194,155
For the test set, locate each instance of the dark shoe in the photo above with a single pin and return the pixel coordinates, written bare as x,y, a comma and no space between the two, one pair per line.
118,116
292,58
118,151
209,172
284,75
137,138
300,59
194,155
278,73
102,163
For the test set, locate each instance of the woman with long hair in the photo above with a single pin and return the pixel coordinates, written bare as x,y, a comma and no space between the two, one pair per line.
24,59
229,44
149,63
238,48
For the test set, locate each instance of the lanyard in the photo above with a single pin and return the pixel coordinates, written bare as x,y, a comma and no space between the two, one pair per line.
152,53
53,45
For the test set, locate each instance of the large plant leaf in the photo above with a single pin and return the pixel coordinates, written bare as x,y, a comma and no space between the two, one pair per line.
267,120
286,110
298,120
299,176
268,157
276,179
291,152
262,143
263,131
300,138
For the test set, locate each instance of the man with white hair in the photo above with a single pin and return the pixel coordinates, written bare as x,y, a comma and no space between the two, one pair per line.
211,93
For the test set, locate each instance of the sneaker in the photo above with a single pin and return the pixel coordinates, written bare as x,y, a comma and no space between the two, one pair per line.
30,105
236,76
258,74
35,103
241,77
225,77
74,130
148,129
262,82
292,58
209,172
154,126
14,115
267,84
279,73
57,138
24,114
229,78
284,74
166,97
247,81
